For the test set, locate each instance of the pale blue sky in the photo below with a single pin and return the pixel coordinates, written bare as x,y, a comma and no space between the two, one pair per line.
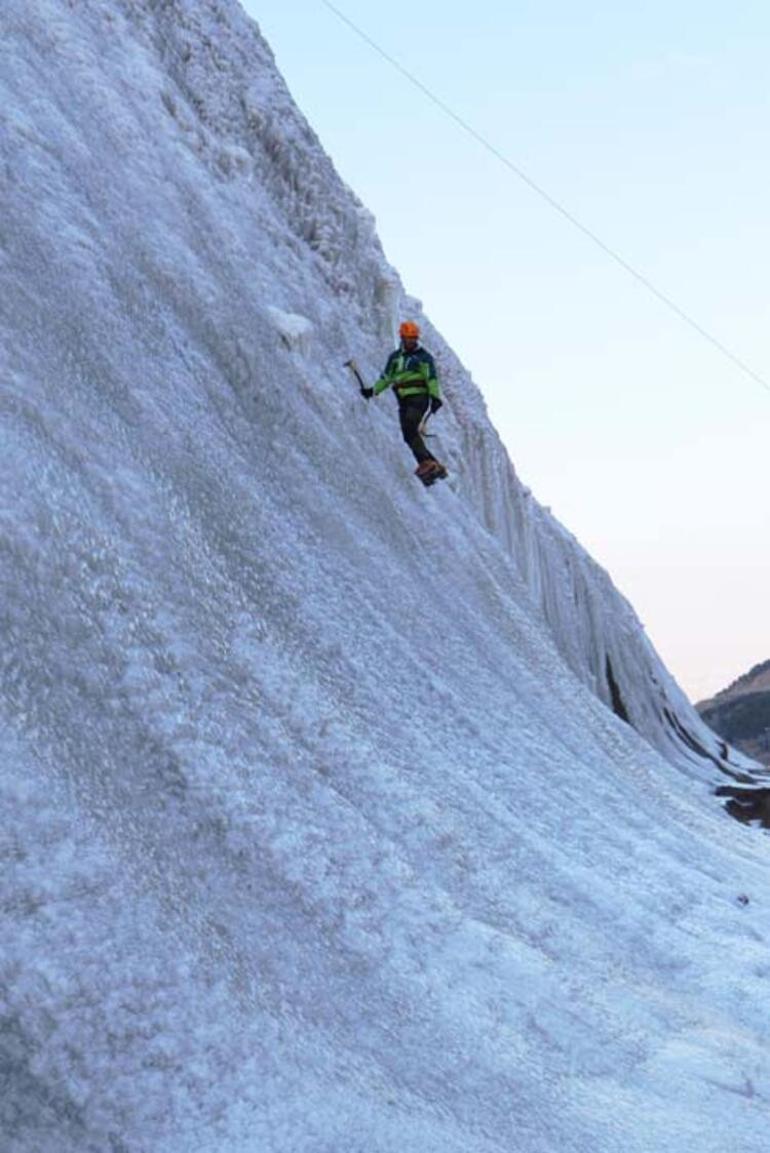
650,124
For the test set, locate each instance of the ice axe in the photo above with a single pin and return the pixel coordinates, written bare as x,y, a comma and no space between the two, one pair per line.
423,429
356,373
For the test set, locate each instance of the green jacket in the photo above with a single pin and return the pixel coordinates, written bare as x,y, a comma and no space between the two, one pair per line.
409,374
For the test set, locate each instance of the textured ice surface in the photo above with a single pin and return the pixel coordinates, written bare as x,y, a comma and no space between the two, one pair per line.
319,834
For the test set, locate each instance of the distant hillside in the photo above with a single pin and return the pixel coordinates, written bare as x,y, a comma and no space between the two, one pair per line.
741,712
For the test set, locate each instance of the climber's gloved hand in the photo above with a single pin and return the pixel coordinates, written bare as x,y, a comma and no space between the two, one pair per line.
435,403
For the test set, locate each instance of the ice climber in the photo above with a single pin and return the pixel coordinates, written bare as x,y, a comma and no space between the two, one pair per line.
411,373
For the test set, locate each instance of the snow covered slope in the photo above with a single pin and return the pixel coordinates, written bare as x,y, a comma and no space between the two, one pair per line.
319,834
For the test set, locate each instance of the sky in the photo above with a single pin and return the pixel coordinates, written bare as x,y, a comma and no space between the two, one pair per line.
648,124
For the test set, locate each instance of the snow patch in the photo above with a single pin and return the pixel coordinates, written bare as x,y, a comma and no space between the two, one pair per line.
296,331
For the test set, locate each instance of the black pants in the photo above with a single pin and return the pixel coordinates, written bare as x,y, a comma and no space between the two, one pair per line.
411,411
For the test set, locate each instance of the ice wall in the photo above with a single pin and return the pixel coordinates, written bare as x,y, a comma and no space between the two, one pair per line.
319,833
233,111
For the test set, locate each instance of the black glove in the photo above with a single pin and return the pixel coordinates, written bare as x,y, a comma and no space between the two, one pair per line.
367,392
435,403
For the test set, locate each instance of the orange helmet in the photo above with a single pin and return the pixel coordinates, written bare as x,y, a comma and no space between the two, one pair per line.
409,330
